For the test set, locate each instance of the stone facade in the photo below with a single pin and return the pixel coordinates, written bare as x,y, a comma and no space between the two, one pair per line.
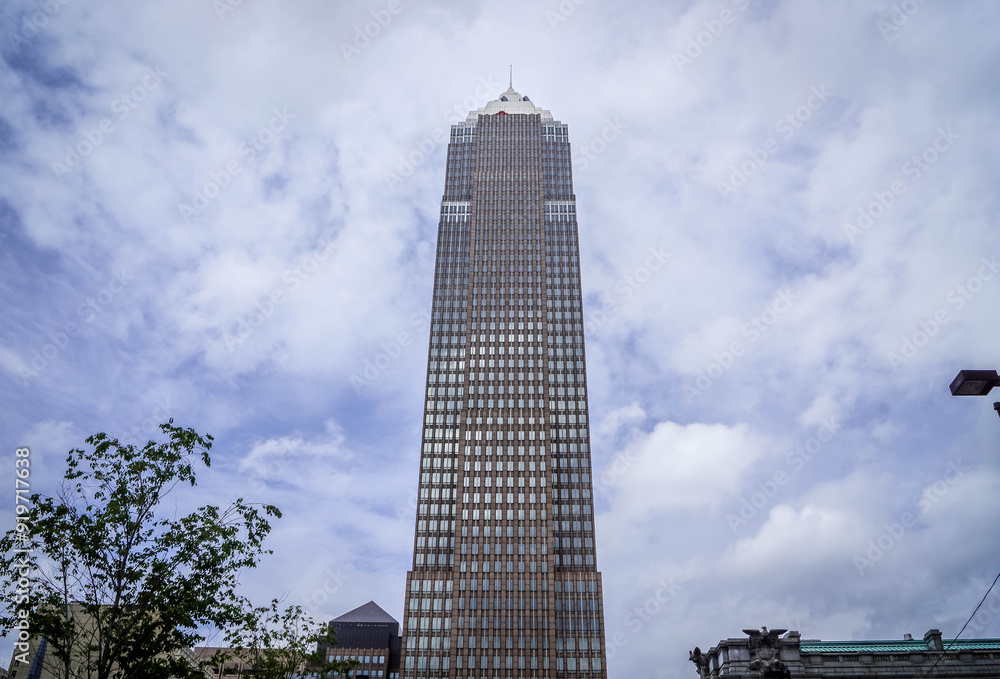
768,654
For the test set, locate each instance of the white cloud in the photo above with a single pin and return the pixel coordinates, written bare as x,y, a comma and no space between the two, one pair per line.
157,347
680,467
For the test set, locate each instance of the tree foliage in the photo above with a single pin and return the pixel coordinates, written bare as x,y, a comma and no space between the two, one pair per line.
117,589
277,644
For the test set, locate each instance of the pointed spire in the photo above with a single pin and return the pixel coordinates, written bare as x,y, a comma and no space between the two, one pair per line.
512,76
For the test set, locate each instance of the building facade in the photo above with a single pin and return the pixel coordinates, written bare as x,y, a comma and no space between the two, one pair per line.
504,580
40,659
767,654
371,636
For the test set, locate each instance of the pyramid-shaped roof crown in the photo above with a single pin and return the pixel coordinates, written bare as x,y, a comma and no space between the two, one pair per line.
370,612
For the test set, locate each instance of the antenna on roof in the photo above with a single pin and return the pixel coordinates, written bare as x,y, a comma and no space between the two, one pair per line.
512,76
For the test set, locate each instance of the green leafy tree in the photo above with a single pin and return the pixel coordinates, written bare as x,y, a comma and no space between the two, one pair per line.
286,644
117,589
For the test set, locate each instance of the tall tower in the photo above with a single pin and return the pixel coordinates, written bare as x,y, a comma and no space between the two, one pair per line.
504,580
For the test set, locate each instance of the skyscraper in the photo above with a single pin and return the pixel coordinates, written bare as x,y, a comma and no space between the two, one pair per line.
504,580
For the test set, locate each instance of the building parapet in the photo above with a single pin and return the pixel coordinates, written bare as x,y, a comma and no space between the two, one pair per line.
769,655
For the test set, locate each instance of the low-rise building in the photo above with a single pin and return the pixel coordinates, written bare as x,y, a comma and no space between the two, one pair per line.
371,636
233,667
769,655
35,657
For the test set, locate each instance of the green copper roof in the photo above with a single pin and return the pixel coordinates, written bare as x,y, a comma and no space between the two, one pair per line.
915,646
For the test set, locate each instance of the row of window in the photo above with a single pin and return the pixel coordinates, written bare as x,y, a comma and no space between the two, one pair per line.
455,258
469,662
424,525
570,478
463,134
493,314
454,448
433,542
438,586
451,433
549,270
488,515
562,559
442,405
452,352
477,465
567,433
434,509
559,237
571,665
439,643
568,510
473,603
508,642
503,377
557,527
499,497
555,133
510,403
520,548
362,659
509,338
572,605
568,219
570,494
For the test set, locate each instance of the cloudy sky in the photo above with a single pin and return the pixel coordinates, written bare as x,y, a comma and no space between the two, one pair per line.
224,212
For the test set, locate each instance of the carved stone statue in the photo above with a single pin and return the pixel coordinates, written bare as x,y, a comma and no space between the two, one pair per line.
764,653
700,661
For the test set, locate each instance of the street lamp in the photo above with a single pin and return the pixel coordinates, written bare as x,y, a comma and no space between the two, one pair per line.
976,383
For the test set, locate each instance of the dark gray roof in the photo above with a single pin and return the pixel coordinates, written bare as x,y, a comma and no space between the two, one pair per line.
371,612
